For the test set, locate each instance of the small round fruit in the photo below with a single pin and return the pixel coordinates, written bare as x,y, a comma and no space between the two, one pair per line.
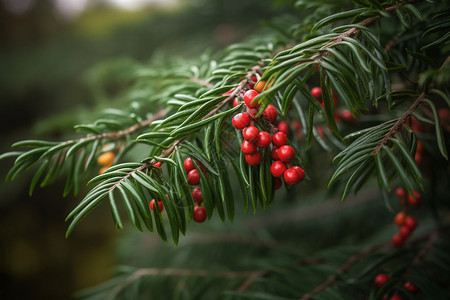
261,86
317,93
296,125
106,159
291,176
248,147
188,165
279,139
197,195
410,287
381,279
398,240
286,153
253,159
415,199
300,172
157,164
405,232
240,121
193,177
160,205
270,113
199,214
283,127
277,183
278,168
396,297
411,222
274,153
264,139
400,218
250,133
347,115
248,98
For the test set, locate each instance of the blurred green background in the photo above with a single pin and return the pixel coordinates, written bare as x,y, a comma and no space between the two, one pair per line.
61,60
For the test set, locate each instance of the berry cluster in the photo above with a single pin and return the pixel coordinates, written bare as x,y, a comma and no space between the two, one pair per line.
281,153
193,176
382,278
407,224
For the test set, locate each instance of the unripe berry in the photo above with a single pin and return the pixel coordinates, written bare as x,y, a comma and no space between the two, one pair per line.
286,153
160,205
274,153
261,86
405,232
400,218
277,183
283,127
398,240
248,98
317,93
270,113
240,121
291,176
279,139
253,159
250,133
248,147
411,222
412,288
106,159
278,168
300,172
193,177
264,139
197,195
381,279
199,214
188,165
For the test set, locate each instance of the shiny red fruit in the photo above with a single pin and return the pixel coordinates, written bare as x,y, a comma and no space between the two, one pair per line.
250,133
188,164
398,240
279,139
248,147
412,288
283,127
411,222
415,199
158,164
193,177
240,121
300,172
160,205
286,153
405,232
270,113
274,153
264,139
381,279
317,93
199,214
347,115
277,183
248,98
291,176
197,195
278,168
400,218
253,159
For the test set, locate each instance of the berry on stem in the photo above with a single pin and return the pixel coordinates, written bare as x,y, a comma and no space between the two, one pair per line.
405,231
398,240
158,164
261,86
412,288
106,159
291,176
250,133
160,205
300,172
286,153
248,147
199,214
278,168
188,165
277,183
240,121
316,92
270,113
264,139
415,199
274,153
253,159
197,195
193,177
279,139
411,222
400,218
396,297
381,279
248,98
283,127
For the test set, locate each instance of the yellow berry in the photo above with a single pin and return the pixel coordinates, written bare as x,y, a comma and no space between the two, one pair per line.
106,159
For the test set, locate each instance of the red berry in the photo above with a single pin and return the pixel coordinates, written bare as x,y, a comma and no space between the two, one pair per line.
320,131
158,164
199,214
250,133
193,177
277,168
405,231
277,183
188,165
248,147
270,113
411,222
317,93
197,195
279,139
274,153
286,153
252,112
235,102
398,240
412,288
283,127
399,219
415,199
296,125
264,139
300,172
240,121
347,115
160,205
248,98
401,194
381,279
396,297
253,159
291,176
228,93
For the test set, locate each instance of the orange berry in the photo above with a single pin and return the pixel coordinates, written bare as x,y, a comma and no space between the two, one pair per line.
106,159
400,218
261,86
